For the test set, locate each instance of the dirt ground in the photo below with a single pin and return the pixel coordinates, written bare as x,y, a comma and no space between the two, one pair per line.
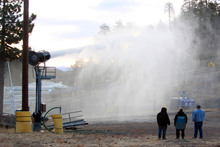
113,133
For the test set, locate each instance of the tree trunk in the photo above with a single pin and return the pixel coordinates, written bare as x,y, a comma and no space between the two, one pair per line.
2,69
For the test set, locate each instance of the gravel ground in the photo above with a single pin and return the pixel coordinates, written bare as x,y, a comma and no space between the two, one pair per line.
113,133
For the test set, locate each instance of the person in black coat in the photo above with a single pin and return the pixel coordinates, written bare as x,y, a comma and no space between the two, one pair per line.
37,121
180,121
162,121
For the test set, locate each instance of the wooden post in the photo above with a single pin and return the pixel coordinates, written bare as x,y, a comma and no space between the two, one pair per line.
25,58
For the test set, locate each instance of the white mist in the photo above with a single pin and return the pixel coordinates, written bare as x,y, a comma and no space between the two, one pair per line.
132,72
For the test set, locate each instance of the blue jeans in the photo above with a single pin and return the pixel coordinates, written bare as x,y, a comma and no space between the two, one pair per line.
162,129
37,125
198,127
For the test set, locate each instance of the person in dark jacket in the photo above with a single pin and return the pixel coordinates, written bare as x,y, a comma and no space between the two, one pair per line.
180,121
37,121
162,121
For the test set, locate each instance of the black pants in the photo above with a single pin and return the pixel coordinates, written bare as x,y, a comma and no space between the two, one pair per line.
178,133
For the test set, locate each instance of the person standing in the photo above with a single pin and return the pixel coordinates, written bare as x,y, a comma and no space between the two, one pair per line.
37,121
162,121
198,117
180,121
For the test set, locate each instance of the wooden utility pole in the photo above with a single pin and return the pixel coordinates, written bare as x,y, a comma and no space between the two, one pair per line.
25,106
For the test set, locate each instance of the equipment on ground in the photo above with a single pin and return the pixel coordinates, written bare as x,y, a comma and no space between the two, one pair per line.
183,101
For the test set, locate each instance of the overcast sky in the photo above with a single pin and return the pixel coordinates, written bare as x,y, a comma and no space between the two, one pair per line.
74,23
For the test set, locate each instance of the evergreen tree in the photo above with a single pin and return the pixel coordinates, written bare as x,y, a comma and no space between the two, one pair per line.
11,32
104,29
203,17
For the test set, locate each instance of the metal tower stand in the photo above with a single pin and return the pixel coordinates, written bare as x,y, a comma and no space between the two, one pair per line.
42,72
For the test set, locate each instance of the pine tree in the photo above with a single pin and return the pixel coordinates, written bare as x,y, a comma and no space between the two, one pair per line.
11,32
203,17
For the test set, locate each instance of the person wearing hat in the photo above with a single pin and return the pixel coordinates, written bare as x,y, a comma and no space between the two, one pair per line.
180,121
162,121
